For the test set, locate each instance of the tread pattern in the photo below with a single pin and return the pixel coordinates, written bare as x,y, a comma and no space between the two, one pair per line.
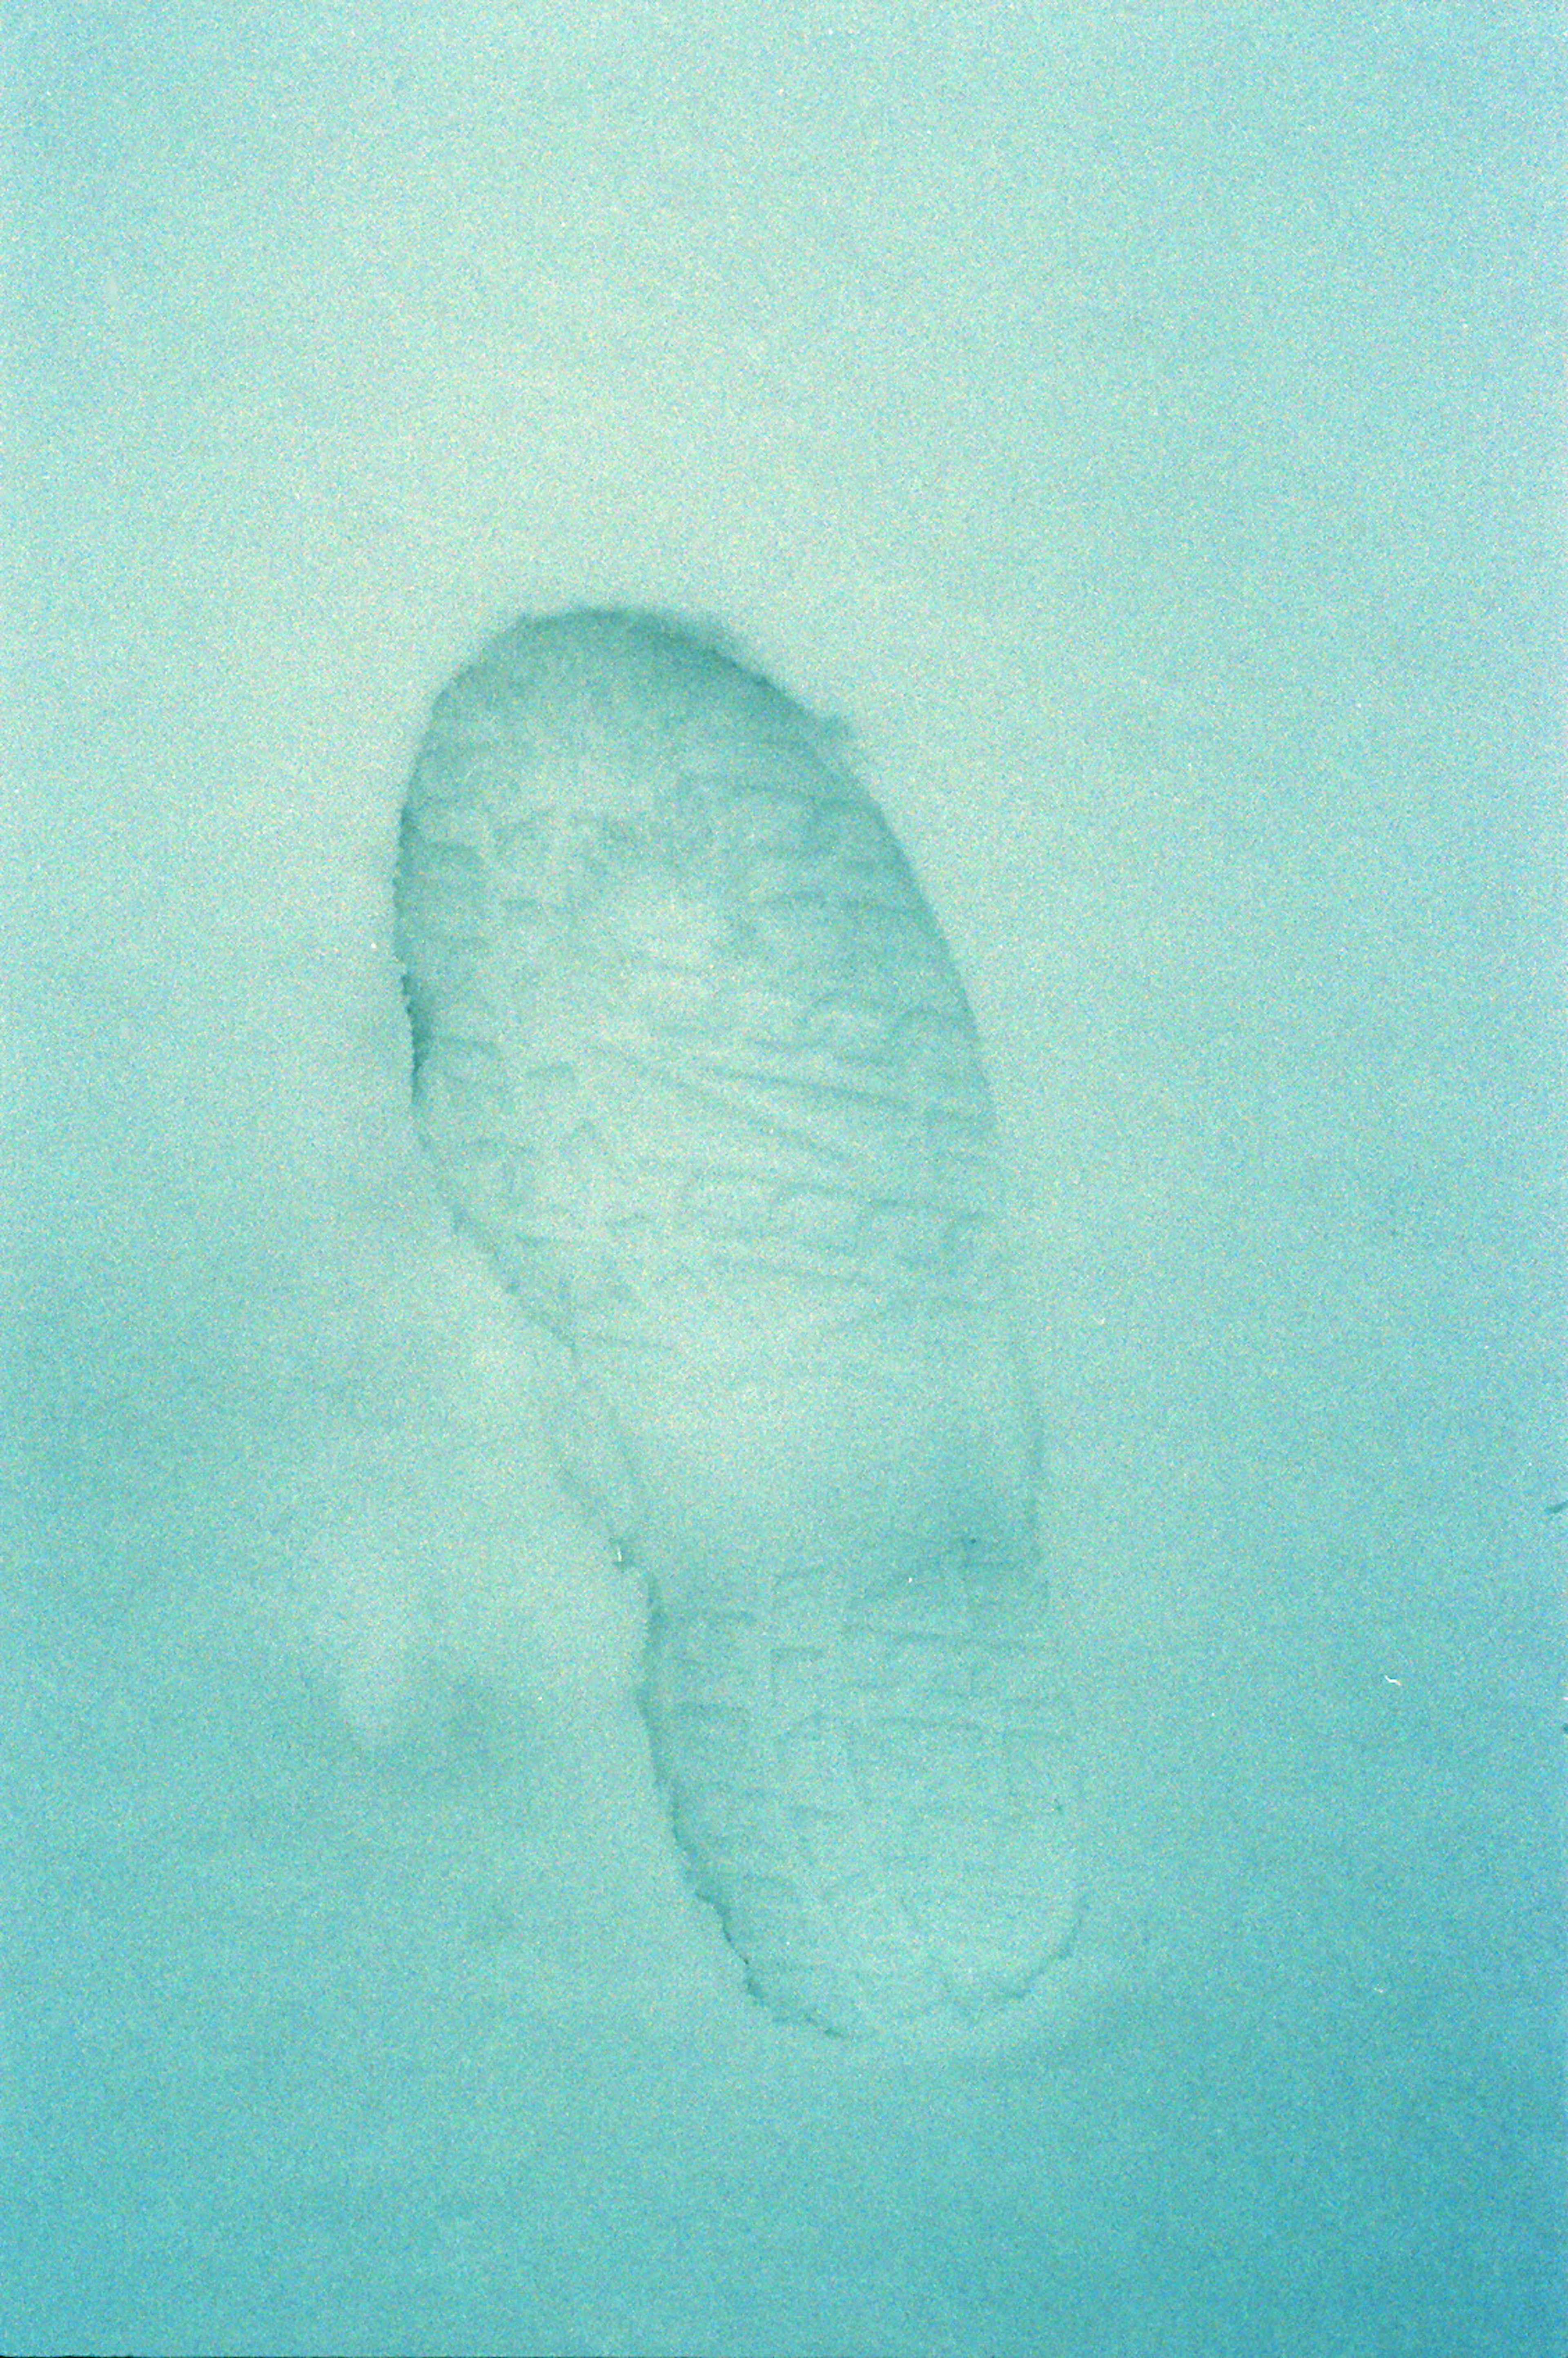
693,1057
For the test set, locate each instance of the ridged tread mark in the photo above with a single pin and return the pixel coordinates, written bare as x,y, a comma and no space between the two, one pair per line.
700,1072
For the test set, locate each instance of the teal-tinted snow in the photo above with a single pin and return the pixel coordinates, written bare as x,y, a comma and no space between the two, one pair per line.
1145,423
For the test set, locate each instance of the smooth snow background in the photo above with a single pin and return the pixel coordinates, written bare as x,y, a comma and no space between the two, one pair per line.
1142,425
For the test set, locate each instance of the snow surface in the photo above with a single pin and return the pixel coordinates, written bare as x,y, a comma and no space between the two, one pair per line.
1142,427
